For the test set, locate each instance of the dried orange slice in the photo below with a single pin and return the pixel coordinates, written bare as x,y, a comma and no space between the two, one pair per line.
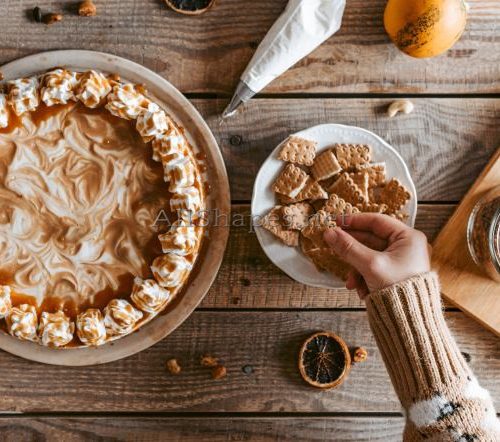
190,7
324,360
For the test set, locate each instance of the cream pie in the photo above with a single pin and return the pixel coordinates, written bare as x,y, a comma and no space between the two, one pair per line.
101,208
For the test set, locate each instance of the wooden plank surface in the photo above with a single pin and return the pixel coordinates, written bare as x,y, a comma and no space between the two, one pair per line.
209,52
445,142
202,429
248,279
469,288
268,341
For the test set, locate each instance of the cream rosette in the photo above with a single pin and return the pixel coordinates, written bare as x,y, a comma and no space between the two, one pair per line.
120,317
22,322
125,102
152,123
168,143
181,239
4,111
90,327
179,170
170,270
187,204
148,296
5,301
58,87
56,329
93,88
23,95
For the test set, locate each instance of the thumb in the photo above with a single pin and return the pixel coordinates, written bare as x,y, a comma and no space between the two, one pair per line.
348,248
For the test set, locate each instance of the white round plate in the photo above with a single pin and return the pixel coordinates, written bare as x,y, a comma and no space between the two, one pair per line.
201,140
290,259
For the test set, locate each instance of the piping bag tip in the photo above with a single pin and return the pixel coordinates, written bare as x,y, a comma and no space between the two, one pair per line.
242,94
231,108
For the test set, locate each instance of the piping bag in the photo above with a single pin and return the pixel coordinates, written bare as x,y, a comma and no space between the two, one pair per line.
303,26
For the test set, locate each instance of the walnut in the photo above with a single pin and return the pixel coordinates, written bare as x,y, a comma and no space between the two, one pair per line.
87,9
173,366
219,372
209,361
360,354
50,19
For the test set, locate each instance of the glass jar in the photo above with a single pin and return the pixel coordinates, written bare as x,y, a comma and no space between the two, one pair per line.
483,233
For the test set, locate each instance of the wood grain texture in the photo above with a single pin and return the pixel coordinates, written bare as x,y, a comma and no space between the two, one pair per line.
445,142
201,429
208,53
462,281
248,279
268,341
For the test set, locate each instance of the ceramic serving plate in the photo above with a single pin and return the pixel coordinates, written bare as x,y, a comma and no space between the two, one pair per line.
202,141
290,259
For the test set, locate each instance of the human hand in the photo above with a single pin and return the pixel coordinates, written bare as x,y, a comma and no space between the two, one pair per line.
382,250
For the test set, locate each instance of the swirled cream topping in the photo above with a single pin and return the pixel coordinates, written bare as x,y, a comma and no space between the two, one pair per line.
90,327
5,301
23,95
170,270
55,330
79,198
93,88
148,296
120,317
168,143
4,111
180,171
22,322
58,87
181,239
125,102
186,204
152,123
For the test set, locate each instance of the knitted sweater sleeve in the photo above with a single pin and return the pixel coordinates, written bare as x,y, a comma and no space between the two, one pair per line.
442,398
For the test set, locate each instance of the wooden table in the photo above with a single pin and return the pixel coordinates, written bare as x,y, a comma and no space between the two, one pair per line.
254,314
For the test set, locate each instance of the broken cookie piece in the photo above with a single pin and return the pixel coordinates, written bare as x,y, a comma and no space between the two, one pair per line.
291,181
298,150
361,179
346,189
296,216
325,166
352,156
394,195
273,222
338,206
376,173
318,224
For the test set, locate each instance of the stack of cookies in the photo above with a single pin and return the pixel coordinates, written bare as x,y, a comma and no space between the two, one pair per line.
315,191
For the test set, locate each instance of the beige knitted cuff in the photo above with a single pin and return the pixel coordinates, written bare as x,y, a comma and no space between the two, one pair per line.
417,347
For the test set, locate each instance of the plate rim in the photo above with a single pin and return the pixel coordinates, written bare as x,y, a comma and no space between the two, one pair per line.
259,231
220,200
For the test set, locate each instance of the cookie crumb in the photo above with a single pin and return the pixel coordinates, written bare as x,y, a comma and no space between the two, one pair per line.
360,355
50,19
209,361
219,372
173,366
87,8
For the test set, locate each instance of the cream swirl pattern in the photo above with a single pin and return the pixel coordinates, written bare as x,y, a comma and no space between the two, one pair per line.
80,198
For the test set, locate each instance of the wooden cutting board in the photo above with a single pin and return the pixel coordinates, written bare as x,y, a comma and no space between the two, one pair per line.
462,282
